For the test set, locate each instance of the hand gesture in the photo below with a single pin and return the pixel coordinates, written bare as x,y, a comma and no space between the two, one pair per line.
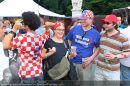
86,62
17,26
52,50
110,56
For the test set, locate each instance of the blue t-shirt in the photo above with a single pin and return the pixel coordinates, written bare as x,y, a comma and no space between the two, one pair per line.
85,41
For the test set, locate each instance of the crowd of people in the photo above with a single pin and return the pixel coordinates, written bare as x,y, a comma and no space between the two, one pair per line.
40,45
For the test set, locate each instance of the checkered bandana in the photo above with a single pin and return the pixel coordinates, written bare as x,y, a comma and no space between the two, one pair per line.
57,24
87,14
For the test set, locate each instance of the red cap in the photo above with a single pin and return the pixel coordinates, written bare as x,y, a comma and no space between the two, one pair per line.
110,18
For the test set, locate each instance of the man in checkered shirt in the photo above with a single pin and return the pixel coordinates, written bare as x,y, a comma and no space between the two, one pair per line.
30,47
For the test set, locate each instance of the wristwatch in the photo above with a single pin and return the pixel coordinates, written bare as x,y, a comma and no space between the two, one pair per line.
12,32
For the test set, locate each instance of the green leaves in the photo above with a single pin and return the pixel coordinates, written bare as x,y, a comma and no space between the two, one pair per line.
100,7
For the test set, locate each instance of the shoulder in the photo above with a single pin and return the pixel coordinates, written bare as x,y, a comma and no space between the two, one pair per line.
95,32
49,40
49,43
20,36
123,37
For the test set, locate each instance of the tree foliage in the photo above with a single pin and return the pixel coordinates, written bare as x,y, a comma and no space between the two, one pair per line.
100,7
1,1
58,6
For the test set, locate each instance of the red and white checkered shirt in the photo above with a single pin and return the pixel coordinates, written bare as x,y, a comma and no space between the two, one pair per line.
30,46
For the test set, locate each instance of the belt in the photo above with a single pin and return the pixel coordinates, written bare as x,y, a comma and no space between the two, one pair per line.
108,68
109,61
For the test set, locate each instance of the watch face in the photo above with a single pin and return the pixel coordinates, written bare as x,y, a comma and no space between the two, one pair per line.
12,32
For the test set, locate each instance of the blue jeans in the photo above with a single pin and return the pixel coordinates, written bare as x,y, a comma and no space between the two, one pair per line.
33,81
125,75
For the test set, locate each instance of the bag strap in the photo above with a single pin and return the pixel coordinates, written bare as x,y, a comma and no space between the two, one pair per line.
66,44
67,47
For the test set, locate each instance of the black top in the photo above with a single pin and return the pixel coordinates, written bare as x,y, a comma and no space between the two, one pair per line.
57,56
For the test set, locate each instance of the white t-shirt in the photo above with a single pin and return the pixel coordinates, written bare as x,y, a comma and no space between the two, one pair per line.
4,61
126,61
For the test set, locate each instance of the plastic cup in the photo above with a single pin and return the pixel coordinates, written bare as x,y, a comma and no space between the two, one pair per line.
106,52
73,51
83,59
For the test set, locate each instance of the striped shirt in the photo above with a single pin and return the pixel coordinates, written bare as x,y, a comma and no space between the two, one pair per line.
115,44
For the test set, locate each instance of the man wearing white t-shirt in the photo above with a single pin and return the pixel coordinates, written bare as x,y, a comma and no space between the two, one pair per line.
125,63
4,61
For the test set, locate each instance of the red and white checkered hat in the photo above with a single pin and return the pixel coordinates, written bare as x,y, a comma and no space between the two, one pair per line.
87,14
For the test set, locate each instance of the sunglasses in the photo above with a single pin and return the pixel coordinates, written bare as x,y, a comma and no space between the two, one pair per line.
60,29
84,34
107,23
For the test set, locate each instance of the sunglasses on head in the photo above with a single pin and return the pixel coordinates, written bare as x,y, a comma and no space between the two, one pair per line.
84,34
106,22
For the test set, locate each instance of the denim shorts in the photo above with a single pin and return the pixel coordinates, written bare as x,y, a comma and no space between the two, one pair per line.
125,75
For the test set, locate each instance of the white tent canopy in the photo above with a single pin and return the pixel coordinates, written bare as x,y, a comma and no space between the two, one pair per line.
15,8
128,7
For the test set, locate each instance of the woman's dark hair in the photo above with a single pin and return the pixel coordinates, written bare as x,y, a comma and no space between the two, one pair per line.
31,19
